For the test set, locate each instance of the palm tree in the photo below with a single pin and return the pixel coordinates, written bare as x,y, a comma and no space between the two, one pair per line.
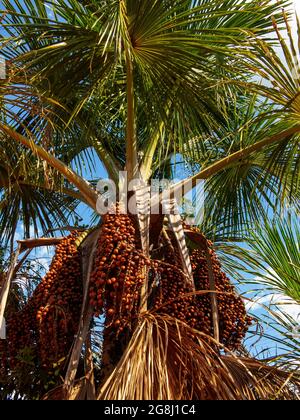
140,82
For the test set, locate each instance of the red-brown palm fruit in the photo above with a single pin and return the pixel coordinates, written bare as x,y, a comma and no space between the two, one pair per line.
118,272
49,321
175,297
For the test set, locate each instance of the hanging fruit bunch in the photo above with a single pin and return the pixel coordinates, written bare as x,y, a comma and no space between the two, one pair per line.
15,304
2,276
233,319
115,284
57,302
48,322
3,359
118,272
173,294
175,297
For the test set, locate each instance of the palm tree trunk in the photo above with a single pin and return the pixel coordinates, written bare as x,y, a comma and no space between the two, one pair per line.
131,137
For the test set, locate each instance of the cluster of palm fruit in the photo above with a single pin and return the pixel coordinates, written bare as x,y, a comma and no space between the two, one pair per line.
3,344
48,322
171,287
3,358
175,296
118,272
50,318
233,319
15,304
2,278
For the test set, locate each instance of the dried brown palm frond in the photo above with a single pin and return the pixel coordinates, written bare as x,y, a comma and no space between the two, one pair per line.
78,392
168,360
270,382
7,283
88,250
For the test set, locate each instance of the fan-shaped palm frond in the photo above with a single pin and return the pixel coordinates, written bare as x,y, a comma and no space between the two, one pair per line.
280,68
178,50
35,208
241,194
245,190
273,256
31,193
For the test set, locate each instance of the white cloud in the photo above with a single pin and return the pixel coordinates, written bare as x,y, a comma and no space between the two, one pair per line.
294,23
277,303
43,256
44,252
20,232
286,305
257,304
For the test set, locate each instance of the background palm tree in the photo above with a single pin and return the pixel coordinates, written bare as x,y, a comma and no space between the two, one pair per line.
140,82
274,256
271,264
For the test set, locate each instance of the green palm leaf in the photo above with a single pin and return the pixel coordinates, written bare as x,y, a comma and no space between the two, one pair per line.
274,257
31,193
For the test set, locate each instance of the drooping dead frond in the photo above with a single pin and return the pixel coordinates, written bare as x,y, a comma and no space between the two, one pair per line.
7,283
88,253
168,360
268,382
77,393
40,242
